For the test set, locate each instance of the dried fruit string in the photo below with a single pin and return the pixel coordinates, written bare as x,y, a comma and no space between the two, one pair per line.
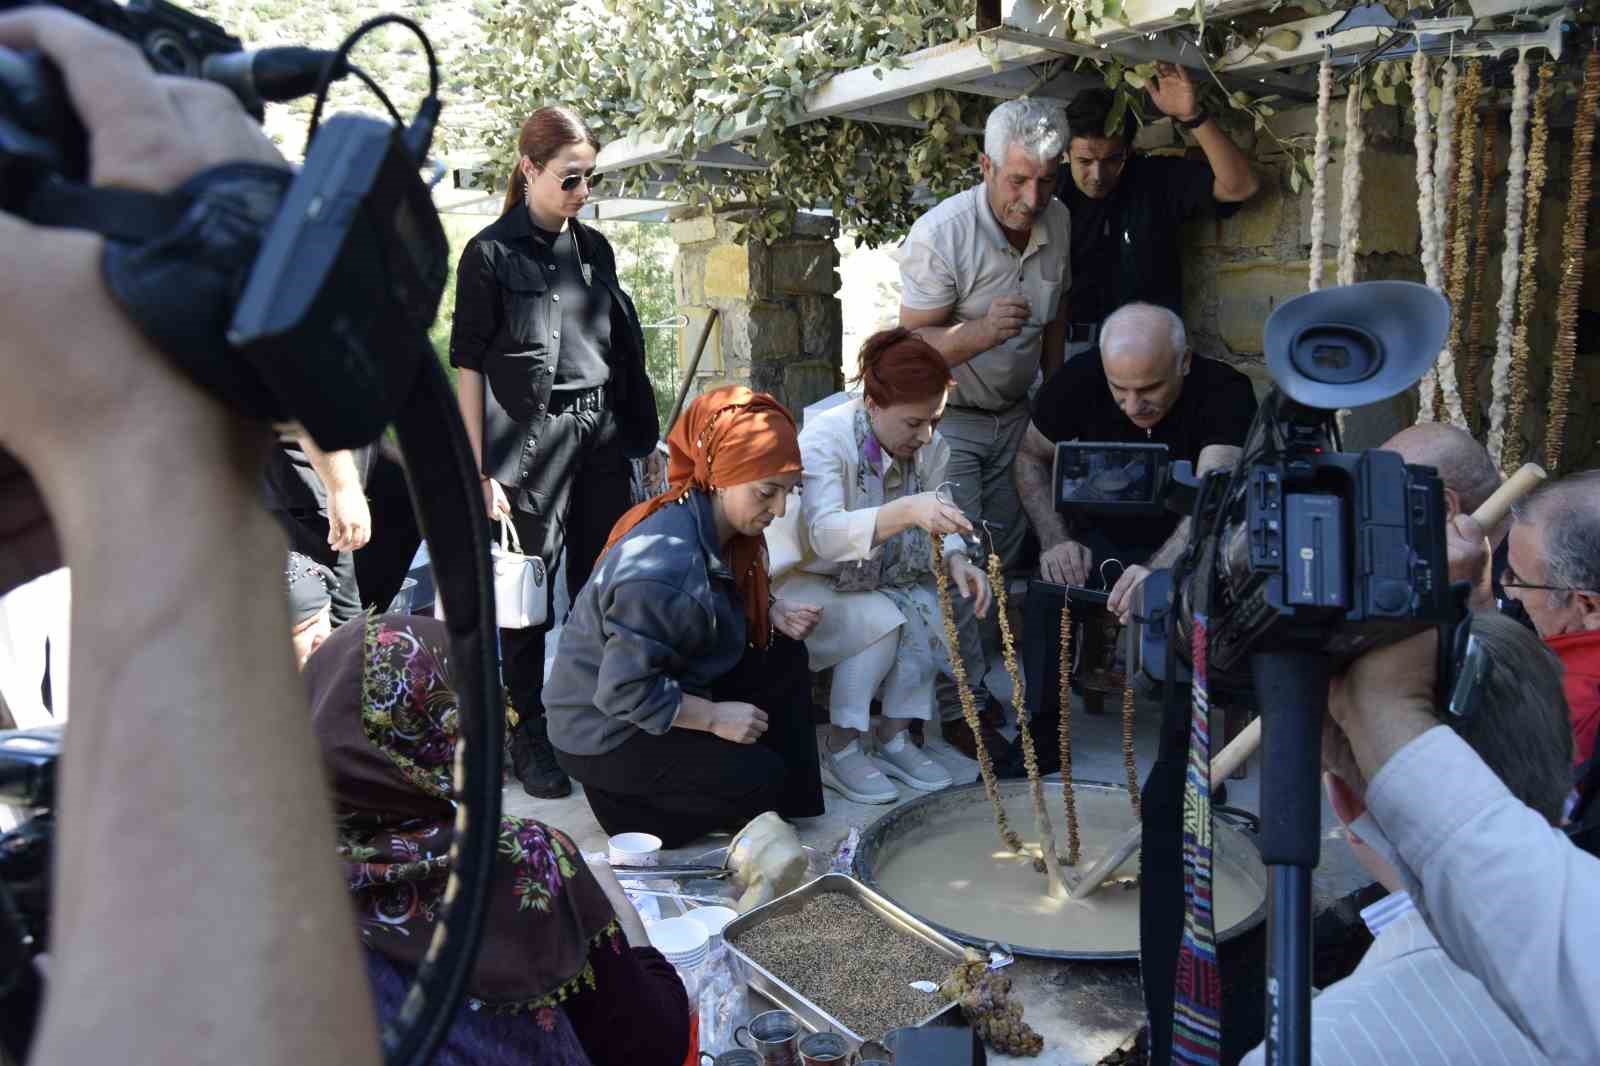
1573,242
1128,764
1528,279
1069,802
969,706
1051,863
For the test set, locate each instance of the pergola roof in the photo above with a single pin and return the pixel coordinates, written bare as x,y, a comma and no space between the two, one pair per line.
1013,38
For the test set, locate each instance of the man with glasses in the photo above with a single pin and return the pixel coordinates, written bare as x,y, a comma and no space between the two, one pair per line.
1554,570
1127,209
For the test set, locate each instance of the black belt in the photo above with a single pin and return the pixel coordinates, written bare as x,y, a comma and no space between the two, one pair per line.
590,399
1083,332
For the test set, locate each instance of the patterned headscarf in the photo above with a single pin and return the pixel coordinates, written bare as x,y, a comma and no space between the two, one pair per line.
387,720
729,436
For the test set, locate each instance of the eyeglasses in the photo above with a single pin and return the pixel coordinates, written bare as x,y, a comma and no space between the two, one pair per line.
571,181
1509,581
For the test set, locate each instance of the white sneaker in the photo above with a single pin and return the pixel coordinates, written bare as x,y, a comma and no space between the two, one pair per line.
853,776
904,761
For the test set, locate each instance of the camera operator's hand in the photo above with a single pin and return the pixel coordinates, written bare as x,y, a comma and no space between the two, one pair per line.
971,583
1066,564
1384,699
80,388
1467,547
189,721
1120,602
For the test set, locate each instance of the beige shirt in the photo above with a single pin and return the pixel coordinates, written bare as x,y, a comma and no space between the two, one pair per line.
958,256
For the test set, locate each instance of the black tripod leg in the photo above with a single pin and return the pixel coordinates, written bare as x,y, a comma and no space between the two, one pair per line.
1292,688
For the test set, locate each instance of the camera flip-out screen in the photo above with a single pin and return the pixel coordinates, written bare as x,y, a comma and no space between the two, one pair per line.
1111,478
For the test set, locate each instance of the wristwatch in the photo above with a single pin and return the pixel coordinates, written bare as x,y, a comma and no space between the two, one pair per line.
1200,119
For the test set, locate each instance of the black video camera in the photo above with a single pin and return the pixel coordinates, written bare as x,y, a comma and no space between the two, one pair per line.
1300,545
312,300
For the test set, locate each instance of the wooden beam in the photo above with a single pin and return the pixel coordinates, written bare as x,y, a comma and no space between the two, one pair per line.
942,66
898,113
1248,60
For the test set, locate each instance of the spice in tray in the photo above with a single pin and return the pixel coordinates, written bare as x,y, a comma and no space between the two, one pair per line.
844,958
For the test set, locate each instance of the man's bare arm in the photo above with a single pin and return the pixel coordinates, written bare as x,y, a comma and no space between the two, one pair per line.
1030,472
349,517
960,341
1212,457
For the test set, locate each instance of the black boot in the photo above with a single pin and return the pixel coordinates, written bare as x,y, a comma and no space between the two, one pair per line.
1009,763
533,760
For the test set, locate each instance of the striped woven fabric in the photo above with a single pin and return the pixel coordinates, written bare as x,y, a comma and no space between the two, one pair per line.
1197,1006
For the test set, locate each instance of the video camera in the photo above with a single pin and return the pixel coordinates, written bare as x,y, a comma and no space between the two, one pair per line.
1298,560
292,296
1300,545
315,309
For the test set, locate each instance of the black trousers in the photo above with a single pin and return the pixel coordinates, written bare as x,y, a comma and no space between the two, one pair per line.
578,488
687,783
308,535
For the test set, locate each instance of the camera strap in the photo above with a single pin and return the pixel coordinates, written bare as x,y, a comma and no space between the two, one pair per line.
1197,1006
177,262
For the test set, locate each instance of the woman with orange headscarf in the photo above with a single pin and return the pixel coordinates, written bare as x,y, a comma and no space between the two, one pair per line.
680,696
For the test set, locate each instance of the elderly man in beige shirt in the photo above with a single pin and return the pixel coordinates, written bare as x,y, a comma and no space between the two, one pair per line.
983,278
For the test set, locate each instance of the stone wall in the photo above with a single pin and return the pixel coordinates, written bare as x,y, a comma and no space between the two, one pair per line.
1239,269
779,325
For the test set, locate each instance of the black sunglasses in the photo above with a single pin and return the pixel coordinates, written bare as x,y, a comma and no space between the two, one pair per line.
571,181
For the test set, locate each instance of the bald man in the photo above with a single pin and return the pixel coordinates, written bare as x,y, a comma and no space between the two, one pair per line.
1470,477
1144,386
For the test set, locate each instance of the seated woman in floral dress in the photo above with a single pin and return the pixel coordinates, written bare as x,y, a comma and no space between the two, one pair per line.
860,550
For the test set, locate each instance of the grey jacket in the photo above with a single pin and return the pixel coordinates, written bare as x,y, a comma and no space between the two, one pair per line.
658,618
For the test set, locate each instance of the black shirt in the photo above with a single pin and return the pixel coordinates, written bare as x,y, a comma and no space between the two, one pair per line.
583,336
1216,406
1125,247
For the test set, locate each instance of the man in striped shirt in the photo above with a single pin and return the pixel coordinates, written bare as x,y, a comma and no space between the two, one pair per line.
1407,1002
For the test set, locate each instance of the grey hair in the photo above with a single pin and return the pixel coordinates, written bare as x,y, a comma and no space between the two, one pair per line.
1037,127
1128,315
1569,512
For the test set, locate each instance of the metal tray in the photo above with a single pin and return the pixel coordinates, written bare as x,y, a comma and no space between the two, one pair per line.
812,1015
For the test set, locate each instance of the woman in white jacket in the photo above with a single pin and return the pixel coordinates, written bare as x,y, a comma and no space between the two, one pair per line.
858,546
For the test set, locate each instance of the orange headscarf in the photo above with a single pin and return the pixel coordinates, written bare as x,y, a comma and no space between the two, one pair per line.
729,436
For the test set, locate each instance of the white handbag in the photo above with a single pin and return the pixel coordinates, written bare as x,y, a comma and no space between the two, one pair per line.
521,600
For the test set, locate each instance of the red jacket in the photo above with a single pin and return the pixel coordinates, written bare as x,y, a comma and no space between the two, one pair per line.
1580,655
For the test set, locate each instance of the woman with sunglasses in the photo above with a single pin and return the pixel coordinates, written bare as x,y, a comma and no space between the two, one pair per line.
552,389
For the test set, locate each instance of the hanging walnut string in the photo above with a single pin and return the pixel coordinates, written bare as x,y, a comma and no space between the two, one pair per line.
1480,272
1466,163
1319,173
1573,245
1510,259
1355,142
1528,283
1421,83
1130,767
1069,801
969,706
1041,817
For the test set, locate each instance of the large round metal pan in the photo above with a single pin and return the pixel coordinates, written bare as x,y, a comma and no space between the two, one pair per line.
923,817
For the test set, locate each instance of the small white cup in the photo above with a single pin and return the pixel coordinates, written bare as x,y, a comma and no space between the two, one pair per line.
634,849
679,939
713,919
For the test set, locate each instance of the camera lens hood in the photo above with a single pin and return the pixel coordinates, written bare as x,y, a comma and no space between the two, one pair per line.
1355,345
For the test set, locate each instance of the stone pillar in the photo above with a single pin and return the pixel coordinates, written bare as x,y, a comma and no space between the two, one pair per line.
779,326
